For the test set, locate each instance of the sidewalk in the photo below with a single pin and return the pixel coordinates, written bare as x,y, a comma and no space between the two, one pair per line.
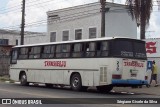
151,90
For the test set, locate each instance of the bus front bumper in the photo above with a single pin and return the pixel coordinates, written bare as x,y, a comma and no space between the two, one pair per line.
129,82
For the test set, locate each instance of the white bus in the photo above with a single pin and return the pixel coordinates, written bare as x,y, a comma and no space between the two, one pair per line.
100,62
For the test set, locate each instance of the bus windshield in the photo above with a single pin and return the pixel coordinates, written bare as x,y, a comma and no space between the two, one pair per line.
129,49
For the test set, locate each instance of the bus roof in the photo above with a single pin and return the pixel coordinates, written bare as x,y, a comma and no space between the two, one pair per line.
75,41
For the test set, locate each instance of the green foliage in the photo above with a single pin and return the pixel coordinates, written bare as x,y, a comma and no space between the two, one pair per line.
140,10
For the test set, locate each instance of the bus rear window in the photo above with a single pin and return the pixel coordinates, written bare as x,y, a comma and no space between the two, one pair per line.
139,50
129,49
122,48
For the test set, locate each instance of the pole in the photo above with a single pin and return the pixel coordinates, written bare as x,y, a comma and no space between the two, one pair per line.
23,22
103,3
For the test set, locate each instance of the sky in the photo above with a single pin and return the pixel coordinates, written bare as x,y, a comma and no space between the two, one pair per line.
35,16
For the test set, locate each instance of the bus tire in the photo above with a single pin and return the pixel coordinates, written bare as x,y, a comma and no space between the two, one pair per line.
104,89
76,83
84,88
23,79
49,85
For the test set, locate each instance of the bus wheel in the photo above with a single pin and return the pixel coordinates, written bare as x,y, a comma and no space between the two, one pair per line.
84,88
49,85
76,83
106,88
23,79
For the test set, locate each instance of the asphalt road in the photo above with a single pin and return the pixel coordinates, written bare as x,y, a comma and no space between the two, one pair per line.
8,90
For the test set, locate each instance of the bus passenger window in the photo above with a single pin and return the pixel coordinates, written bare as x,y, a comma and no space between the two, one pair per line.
52,51
35,52
48,52
87,50
104,48
14,57
90,49
65,50
77,50
23,54
58,51
98,49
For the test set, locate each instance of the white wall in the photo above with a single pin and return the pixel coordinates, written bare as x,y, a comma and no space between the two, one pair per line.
11,37
120,24
86,16
33,39
28,38
83,23
153,53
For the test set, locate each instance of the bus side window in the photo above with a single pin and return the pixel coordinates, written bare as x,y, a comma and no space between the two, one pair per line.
31,49
48,52
98,49
90,49
35,52
77,50
23,53
52,52
58,51
14,55
104,48
66,50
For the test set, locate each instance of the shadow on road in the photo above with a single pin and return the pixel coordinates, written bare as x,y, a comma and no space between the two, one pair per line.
90,90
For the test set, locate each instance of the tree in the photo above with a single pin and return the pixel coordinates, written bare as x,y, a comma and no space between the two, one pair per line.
140,11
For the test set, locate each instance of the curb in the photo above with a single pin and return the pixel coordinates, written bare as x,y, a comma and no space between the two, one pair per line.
38,84
12,82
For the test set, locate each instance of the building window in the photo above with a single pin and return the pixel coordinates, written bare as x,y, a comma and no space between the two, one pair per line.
4,41
92,32
65,36
53,37
78,34
16,41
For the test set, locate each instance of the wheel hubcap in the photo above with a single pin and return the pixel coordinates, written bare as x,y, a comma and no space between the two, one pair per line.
23,78
75,82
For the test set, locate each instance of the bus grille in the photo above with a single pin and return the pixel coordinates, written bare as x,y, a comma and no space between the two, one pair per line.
103,74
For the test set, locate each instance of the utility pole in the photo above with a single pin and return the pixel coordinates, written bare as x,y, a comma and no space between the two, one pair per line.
23,22
103,10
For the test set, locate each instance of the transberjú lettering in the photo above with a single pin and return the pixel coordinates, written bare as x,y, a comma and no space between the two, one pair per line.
55,63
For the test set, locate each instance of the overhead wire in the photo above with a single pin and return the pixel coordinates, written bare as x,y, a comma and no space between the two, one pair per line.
45,21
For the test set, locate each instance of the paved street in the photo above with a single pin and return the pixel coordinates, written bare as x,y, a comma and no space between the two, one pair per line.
12,90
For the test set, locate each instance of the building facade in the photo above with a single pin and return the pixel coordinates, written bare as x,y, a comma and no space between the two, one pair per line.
84,22
9,38
12,37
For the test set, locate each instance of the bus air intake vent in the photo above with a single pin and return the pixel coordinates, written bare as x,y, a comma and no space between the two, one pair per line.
103,74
